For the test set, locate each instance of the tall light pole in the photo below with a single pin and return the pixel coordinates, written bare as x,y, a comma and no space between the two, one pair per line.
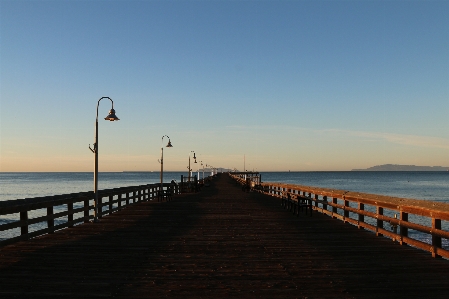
162,159
111,117
190,169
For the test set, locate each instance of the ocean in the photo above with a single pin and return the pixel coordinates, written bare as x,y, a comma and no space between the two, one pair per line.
408,184
426,185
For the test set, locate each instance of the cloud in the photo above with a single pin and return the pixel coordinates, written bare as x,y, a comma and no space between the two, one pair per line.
410,140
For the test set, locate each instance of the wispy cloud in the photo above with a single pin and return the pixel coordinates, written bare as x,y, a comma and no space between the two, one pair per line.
411,140
404,139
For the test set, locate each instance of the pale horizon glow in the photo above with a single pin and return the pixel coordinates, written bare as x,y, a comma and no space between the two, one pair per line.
289,85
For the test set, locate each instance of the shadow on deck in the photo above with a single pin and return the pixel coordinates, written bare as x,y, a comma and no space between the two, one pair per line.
216,243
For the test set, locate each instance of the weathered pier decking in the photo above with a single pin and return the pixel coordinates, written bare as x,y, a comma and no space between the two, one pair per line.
220,242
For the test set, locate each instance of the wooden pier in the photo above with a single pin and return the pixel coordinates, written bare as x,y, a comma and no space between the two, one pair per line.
220,242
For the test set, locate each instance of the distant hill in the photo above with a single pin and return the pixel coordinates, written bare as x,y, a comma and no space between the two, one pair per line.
396,167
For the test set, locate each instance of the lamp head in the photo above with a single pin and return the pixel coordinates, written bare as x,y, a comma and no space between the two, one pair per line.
111,116
169,143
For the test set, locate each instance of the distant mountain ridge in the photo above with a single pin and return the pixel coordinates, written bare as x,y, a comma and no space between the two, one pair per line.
397,167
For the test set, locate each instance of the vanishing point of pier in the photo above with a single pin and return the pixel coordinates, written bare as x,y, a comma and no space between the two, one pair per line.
219,242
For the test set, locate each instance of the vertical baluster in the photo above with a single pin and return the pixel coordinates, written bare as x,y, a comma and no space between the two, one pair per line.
403,231
346,212
361,217
111,198
70,214
119,201
436,240
380,223
100,206
24,225
50,220
334,209
86,210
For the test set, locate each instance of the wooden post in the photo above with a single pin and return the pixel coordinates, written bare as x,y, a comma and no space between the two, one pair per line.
70,215
50,220
403,231
316,198
182,183
325,205
111,198
436,240
127,198
380,223
361,217
86,210
346,212
119,201
24,225
334,209
100,206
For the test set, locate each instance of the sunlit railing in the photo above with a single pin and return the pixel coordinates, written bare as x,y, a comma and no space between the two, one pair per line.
419,223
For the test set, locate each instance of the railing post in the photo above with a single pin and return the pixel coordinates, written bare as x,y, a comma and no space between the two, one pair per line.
403,231
361,217
380,223
436,240
119,201
100,206
334,209
50,220
127,198
316,200
70,215
24,226
182,183
346,212
111,197
325,205
86,210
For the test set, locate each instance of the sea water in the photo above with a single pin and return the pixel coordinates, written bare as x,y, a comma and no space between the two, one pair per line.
433,186
427,185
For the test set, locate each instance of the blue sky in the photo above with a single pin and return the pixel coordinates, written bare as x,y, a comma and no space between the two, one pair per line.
290,85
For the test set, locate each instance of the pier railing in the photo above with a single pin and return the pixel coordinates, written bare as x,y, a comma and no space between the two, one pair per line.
419,223
44,215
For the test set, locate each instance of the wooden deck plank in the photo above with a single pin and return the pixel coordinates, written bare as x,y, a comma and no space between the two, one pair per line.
220,242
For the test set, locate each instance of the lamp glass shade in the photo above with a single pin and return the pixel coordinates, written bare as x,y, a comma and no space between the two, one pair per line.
112,116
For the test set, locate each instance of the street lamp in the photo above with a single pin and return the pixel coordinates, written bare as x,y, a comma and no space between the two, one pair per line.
162,159
111,117
190,169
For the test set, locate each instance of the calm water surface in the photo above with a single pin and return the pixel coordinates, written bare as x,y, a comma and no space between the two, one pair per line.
432,186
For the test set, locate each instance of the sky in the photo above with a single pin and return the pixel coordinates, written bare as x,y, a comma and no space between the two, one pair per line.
265,85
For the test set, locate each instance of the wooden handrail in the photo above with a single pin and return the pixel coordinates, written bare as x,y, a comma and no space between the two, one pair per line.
353,207
118,198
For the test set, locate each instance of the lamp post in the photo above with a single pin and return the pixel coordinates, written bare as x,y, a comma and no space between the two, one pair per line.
190,169
111,117
162,159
